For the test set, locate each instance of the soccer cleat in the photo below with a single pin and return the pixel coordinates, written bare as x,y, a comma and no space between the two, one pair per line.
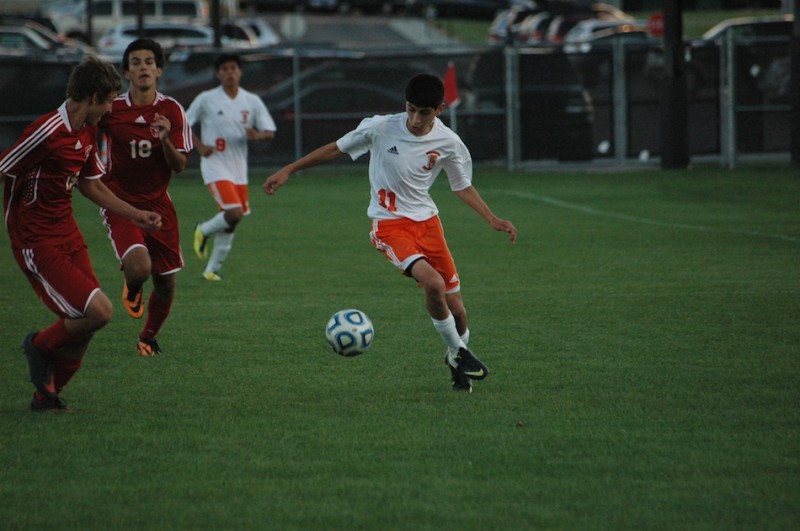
469,365
200,243
134,307
461,382
148,347
48,403
211,275
40,367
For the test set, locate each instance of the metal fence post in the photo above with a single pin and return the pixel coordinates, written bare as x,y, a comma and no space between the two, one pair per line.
620,102
513,143
298,122
727,102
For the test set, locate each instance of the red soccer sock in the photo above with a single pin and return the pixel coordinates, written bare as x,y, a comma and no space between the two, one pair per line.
158,309
68,360
63,371
53,337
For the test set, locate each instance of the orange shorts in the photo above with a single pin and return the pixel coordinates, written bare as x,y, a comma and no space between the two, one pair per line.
404,241
229,195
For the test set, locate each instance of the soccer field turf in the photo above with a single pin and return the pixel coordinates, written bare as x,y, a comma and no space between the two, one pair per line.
642,335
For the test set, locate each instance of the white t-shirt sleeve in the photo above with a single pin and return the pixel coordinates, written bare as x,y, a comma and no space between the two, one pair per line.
358,141
263,119
194,113
458,167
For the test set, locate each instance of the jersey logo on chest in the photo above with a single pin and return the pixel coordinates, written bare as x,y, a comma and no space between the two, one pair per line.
433,156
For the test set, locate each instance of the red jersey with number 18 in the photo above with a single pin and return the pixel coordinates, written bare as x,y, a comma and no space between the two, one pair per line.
41,169
138,172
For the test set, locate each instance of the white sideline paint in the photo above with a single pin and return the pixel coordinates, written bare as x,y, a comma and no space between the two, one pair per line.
645,221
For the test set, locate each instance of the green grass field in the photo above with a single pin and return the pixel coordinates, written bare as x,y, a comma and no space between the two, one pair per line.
643,337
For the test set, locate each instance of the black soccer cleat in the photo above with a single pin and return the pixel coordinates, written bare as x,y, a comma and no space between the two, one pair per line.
48,403
148,347
469,365
40,367
461,382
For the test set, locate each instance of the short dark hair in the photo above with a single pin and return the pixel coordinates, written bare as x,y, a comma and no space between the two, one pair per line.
425,90
144,44
93,76
226,58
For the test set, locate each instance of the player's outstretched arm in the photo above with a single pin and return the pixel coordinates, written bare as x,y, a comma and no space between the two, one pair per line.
98,193
472,198
320,155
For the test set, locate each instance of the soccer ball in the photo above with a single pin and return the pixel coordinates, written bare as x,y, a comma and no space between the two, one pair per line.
349,332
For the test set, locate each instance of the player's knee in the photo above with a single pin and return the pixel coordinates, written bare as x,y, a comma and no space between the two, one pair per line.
99,313
137,268
234,216
434,287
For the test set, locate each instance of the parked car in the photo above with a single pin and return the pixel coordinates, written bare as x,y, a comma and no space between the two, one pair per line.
762,50
70,16
533,30
254,29
171,36
506,23
532,22
761,73
751,27
31,38
592,29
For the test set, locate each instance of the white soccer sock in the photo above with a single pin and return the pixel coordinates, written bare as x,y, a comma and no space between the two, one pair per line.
465,337
222,247
447,329
214,225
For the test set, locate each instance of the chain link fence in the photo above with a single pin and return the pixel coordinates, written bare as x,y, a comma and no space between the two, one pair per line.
517,105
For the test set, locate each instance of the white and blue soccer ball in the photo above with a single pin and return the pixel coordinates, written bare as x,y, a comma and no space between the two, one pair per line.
349,332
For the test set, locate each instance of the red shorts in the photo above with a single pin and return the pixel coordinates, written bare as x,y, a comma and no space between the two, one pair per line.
61,275
163,245
404,241
229,195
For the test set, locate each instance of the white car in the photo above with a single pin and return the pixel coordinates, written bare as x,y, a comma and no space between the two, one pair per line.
260,28
27,38
170,35
587,30
70,16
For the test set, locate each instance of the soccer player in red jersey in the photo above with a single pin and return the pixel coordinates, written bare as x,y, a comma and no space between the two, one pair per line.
56,153
148,140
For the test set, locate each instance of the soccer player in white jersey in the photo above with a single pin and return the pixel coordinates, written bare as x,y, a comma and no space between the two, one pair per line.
229,117
407,152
